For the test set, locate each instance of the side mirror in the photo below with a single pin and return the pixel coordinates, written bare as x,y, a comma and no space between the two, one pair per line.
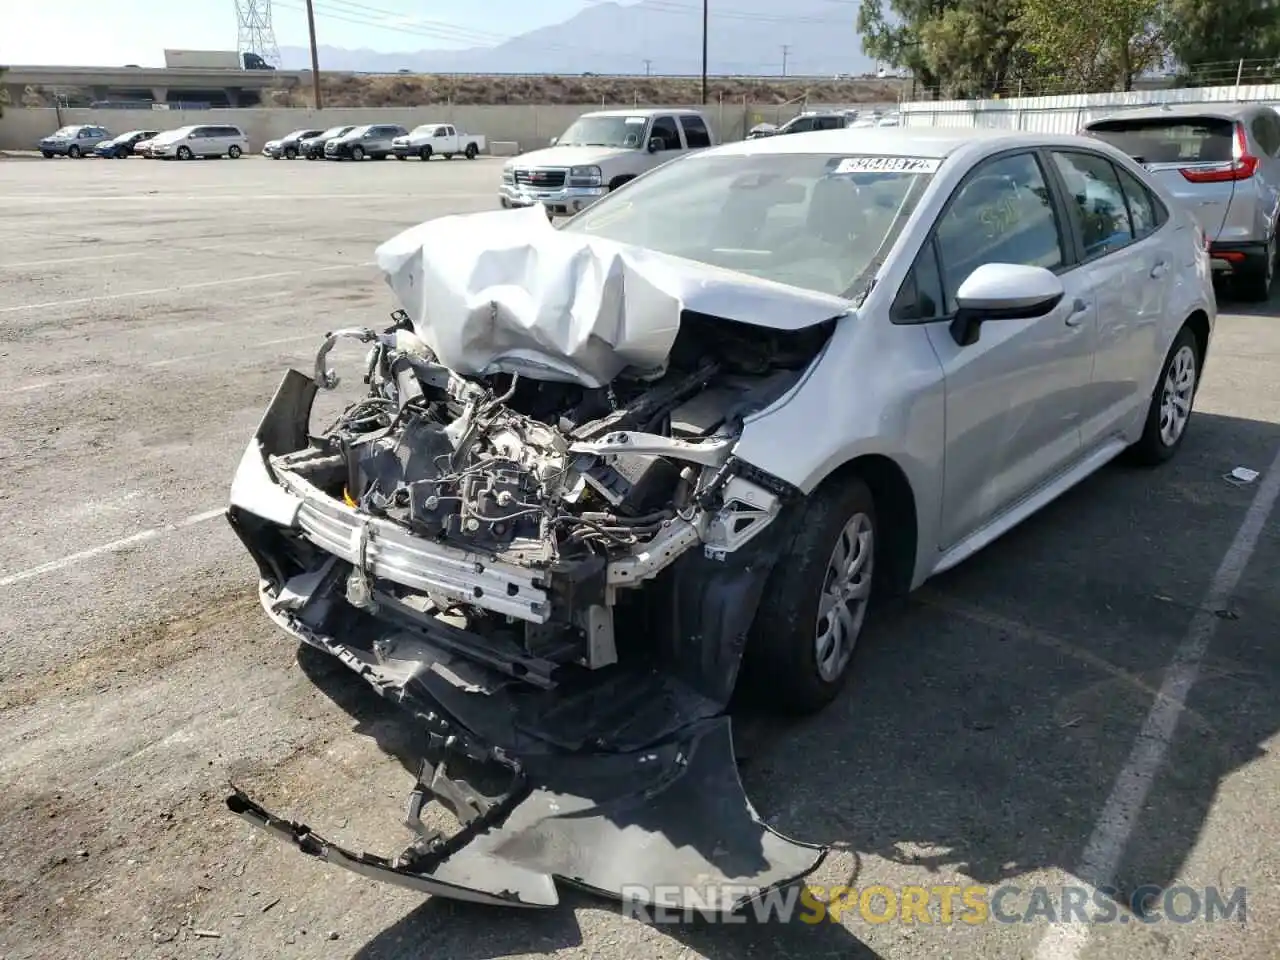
191,136
656,144
1003,291
553,141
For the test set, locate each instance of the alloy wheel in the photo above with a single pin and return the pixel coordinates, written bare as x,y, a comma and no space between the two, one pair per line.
1176,395
846,589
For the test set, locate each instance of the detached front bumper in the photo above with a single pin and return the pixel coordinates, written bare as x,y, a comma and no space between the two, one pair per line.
621,781
563,202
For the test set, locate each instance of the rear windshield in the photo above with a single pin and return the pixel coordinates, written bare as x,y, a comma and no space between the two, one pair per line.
1171,139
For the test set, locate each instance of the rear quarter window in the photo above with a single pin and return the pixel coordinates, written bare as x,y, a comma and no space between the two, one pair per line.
1169,139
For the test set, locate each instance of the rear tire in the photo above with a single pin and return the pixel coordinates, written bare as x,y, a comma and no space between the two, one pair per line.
233,152
815,602
471,151
1255,286
1171,403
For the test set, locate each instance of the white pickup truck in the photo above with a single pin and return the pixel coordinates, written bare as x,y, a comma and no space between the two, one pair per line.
600,152
429,140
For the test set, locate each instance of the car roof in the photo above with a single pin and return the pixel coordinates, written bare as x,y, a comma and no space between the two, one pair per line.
933,142
644,112
1221,111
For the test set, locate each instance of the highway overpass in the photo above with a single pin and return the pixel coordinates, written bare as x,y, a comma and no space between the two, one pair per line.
234,88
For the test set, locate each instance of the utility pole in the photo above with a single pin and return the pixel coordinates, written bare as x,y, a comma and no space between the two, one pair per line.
704,52
315,56
786,48
647,65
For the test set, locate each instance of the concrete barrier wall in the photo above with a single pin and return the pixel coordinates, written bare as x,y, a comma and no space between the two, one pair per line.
530,126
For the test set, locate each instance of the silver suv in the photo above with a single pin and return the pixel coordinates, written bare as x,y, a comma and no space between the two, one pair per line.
1223,163
374,141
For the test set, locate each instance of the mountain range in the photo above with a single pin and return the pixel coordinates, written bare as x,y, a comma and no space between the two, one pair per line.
662,37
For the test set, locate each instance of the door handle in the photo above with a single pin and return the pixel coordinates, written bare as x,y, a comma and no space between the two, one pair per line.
1078,309
1160,269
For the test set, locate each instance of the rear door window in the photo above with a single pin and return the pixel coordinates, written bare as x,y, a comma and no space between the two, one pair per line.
1146,212
1099,203
695,132
1170,139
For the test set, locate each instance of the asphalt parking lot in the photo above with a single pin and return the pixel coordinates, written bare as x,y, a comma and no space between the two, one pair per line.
1091,697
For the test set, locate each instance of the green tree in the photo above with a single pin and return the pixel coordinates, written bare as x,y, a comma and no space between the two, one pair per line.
956,48
1095,47
1203,32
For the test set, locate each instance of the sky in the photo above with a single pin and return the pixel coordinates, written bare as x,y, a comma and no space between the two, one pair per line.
84,33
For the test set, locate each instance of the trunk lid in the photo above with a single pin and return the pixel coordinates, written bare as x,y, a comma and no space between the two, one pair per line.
1198,159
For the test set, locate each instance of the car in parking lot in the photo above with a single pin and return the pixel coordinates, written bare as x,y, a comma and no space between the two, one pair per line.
123,146
1222,161
601,475
288,146
429,140
74,141
199,141
312,148
373,141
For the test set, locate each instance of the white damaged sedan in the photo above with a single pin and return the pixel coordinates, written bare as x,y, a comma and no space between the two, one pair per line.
604,470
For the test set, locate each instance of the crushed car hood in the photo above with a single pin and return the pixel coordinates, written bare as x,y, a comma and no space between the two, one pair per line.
506,292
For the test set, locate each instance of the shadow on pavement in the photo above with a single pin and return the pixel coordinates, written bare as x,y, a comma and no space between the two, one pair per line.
988,718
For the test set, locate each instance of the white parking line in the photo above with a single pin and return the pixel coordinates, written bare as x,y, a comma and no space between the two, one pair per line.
54,565
214,197
167,361
203,284
1120,814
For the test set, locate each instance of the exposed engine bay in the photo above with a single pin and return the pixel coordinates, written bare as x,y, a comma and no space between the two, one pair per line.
552,571
588,490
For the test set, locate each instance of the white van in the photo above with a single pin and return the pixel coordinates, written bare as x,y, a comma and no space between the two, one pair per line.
204,140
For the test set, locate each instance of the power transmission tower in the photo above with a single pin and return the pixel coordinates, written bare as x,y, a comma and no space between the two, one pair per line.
255,34
786,48
648,64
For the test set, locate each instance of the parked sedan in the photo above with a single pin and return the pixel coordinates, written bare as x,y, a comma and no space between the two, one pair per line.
287,146
75,141
312,148
561,512
1221,161
123,146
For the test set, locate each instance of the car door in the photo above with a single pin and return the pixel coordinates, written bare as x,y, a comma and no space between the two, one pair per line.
1264,130
450,139
664,128
1013,397
696,134
1126,276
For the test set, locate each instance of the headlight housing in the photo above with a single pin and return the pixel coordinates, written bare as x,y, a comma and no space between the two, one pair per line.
584,176
508,174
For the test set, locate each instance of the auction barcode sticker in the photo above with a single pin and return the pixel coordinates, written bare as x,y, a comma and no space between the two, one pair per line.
888,165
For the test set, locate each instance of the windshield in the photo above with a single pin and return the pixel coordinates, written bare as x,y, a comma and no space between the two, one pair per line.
66,131
1169,139
817,221
297,135
174,134
357,131
604,132
334,132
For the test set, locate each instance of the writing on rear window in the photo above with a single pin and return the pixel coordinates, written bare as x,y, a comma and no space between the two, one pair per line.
888,165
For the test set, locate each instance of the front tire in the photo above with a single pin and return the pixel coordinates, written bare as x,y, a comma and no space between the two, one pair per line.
73,152
47,154
816,601
291,154
424,154
184,153
1171,402
357,153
